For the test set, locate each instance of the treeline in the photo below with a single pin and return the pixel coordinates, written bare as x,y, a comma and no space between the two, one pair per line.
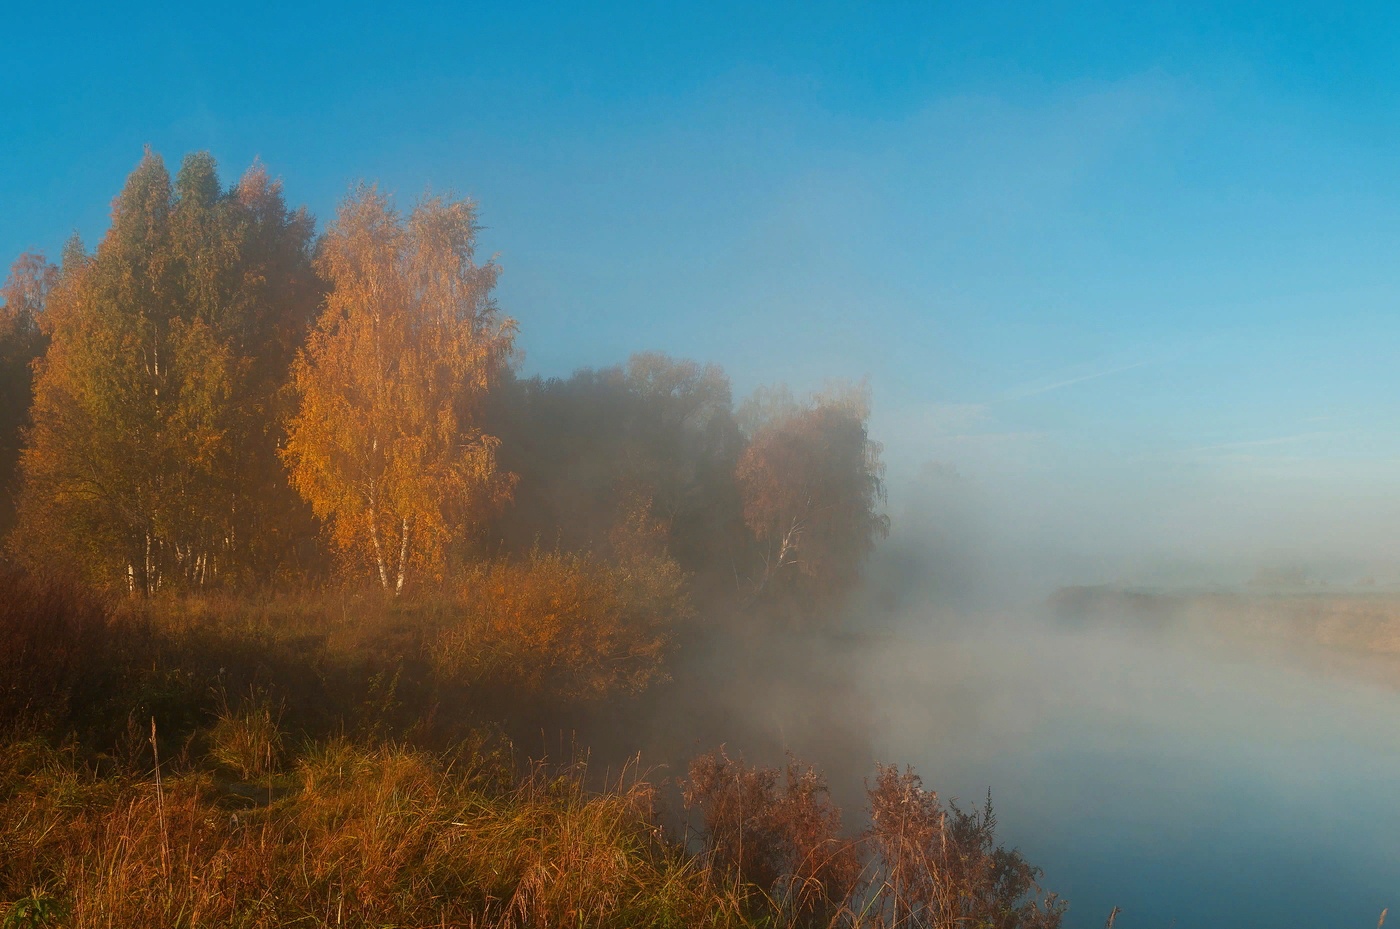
218,398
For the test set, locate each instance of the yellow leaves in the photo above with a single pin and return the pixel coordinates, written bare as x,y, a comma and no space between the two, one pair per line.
152,452
568,625
407,344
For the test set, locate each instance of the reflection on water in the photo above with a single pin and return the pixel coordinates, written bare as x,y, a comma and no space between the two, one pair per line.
1190,787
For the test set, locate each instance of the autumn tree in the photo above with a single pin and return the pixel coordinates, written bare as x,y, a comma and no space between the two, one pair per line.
152,449
244,270
386,444
23,298
637,455
811,480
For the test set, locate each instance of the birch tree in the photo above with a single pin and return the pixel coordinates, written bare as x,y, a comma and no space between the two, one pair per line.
811,481
153,404
385,444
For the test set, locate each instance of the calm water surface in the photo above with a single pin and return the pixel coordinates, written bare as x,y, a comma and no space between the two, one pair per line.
1188,785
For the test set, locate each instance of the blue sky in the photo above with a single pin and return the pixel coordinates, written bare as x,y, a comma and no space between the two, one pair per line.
1126,274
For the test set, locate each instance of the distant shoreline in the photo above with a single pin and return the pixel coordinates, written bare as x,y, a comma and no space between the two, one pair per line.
1326,623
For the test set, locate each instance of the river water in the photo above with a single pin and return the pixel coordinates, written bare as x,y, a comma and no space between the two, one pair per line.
1189,784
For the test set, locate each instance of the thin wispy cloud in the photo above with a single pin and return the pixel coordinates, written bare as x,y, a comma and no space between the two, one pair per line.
940,418
1036,390
959,429
1262,443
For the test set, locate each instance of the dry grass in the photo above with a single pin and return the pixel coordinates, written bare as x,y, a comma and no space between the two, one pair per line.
783,838
360,836
920,864
55,644
247,738
315,799
383,835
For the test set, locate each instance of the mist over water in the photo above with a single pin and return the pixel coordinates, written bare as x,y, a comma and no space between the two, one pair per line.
1182,785
1186,775
1190,768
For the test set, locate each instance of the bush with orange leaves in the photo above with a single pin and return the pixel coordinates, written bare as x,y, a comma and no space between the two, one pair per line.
785,839
920,864
566,625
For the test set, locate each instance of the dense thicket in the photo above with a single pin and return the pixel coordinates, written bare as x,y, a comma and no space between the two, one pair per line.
633,458
773,507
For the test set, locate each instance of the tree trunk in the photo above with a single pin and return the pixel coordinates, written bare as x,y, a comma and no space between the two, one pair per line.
146,579
378,550
403,559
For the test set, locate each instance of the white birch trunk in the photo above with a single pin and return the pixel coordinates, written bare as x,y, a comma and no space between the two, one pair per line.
403,558
378,551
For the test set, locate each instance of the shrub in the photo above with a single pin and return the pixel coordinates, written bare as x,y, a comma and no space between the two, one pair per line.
54,649
917,865
566,625
785,839
941,868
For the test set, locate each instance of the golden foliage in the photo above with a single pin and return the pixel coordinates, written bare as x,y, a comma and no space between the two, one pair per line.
353,836
385,445
568,625
150,462
23,298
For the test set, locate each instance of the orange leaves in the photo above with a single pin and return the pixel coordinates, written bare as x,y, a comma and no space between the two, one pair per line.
384,445
151,459
811,482
567,625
